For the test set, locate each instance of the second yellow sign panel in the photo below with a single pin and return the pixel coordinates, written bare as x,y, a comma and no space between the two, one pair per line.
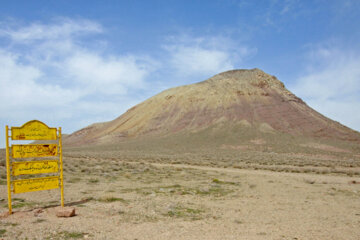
34,150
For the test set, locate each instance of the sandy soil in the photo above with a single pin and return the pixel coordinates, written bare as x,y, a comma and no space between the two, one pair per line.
115,199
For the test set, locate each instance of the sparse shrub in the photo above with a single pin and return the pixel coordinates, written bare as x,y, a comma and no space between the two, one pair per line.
109,199
309,181
70,235
252,186
182,212
215,180
39,220
93,180
74,180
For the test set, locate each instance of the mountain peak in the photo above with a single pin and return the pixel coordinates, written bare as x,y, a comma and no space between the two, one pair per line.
247,77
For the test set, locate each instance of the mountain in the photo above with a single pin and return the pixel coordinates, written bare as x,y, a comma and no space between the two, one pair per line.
235,102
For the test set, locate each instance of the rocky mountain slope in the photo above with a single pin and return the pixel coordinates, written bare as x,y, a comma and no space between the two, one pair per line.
237,99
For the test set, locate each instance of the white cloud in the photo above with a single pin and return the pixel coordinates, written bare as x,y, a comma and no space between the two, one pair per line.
108,75
204,55
48,73
61,29
19,80
190,60
19,89
345,111
332,84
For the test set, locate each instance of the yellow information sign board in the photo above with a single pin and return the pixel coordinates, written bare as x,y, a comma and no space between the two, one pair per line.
34,167
34,150
35,184
53,167
33,130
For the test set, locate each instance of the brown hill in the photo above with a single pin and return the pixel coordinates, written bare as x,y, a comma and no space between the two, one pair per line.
236,101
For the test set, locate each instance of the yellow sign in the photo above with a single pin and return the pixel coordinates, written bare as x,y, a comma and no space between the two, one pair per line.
34,150
34,167
35,184
33,130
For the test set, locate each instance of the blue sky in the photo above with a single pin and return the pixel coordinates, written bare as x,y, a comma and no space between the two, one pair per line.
73,63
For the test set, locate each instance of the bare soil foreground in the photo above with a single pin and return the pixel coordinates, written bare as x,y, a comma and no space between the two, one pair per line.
135,195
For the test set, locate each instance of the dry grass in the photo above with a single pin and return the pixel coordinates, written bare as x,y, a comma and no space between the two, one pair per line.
144,191
280,153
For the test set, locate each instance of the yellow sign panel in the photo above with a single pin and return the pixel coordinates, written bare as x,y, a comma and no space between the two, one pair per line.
34,150
35,184
34,167
33,130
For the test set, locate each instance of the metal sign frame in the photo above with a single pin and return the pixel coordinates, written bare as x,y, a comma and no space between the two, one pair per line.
34,130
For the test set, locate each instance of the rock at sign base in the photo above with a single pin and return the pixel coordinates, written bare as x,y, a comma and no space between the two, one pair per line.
37,211
4,214
65,212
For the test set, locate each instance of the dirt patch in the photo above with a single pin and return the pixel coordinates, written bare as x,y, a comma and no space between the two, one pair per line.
258,141
266,128
235,147
325,147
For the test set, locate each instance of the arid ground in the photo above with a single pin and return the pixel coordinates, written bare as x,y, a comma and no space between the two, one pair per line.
243,192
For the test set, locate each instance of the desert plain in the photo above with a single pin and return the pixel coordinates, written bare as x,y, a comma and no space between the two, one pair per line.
123,192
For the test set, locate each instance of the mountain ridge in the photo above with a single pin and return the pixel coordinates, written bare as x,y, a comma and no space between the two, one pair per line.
249,98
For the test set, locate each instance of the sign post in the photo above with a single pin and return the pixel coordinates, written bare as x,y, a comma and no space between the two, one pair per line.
16,165
61,169
8,169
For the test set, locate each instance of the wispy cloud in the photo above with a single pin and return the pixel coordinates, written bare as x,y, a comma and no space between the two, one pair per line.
62,28
205,56
332,83
107,75
47,71
275,14
288,6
